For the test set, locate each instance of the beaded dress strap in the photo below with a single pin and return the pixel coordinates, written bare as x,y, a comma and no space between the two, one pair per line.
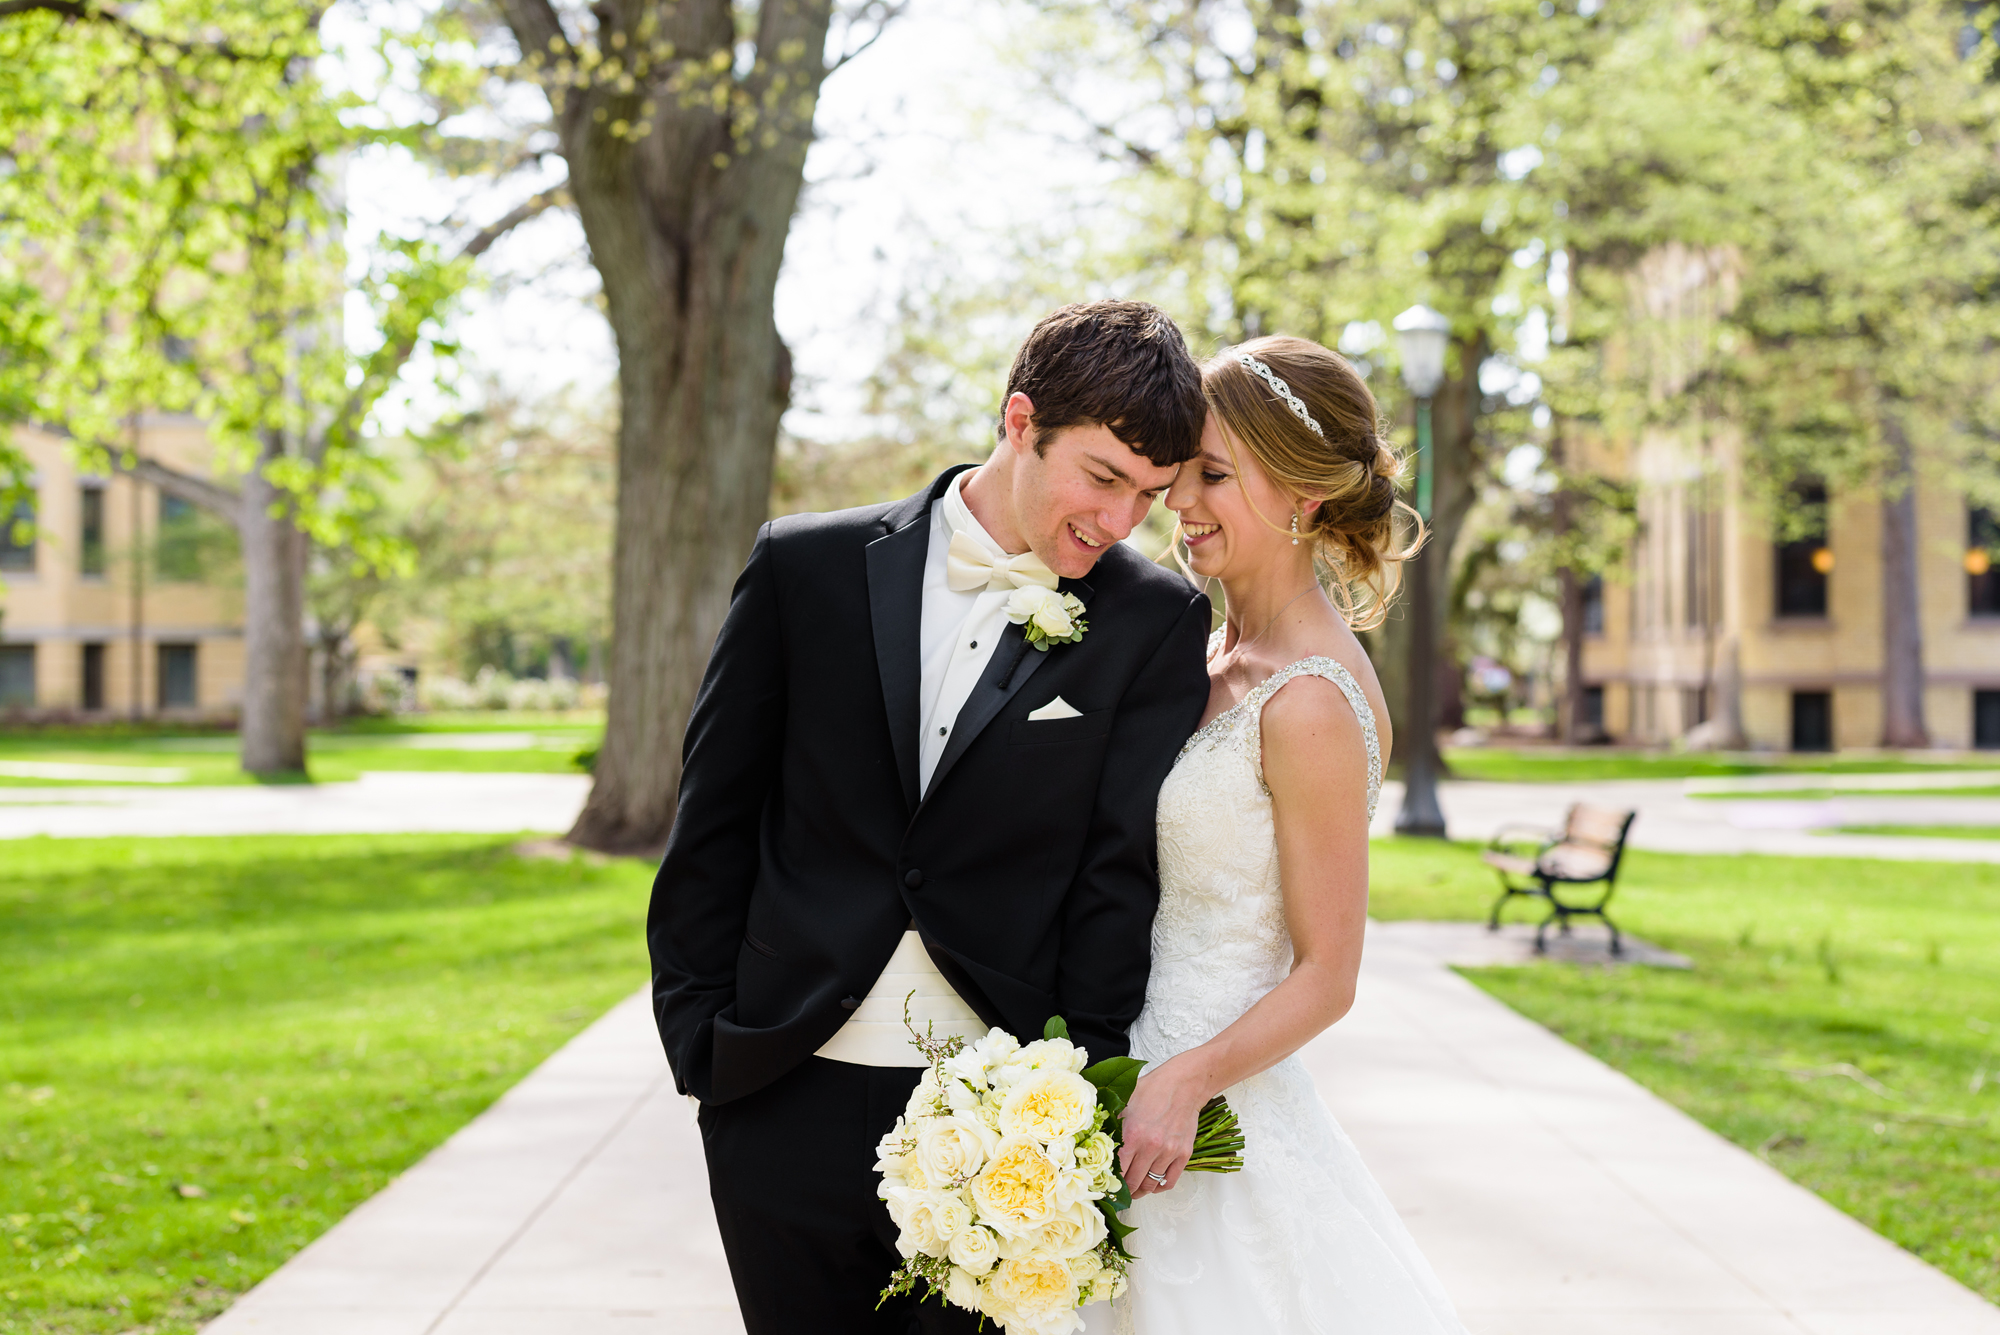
1333,671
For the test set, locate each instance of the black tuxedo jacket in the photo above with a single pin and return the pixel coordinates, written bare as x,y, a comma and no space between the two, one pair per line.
802,850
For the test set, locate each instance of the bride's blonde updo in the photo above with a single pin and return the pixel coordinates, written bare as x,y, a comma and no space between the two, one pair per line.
1354,531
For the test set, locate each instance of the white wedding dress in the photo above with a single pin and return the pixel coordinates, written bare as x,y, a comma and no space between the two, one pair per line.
1302,1239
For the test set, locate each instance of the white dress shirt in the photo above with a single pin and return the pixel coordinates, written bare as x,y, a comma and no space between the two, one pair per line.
958,633
956,636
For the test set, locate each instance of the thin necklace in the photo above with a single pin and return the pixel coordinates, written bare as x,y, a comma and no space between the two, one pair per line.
1241,645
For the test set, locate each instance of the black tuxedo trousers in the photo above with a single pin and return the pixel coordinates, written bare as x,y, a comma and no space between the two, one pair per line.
802,849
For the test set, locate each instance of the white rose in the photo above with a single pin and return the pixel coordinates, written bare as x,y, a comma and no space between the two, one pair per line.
951,1149
974,1249
1096,1152
927,1099
987,1114
1032,602
959,1096
1054,623
929,1218
962,1290
1075,1232
1074,1187
892,1148
1085,1268
1059,1053
1047,1104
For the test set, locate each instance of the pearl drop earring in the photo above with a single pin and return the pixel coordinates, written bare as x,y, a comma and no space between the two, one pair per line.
1295,528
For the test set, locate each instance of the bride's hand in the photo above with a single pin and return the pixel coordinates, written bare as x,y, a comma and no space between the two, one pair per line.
1160,1125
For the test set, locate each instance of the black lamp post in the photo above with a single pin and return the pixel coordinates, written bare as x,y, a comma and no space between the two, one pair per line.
1423,335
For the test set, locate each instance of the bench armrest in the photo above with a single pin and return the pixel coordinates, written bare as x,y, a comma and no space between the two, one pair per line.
1539,834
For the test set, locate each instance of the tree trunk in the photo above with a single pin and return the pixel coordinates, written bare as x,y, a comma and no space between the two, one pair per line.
274,636
1569,712
686,227
1902,606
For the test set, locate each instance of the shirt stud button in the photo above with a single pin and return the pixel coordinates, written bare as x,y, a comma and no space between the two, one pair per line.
941,732
975,644
913,878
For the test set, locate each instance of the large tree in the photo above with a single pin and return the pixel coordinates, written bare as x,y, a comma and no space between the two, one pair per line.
174,186
683,125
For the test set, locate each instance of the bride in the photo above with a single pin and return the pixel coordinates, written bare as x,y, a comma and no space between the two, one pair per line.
1263,853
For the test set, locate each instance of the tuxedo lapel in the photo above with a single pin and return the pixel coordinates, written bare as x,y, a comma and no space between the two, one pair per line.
1014,661
895,612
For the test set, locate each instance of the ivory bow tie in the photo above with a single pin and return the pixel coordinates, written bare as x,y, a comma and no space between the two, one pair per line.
967,567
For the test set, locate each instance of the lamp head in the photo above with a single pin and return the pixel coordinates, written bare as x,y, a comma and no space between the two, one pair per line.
1423,335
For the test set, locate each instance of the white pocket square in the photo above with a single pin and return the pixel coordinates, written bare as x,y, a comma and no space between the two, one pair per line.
1056,708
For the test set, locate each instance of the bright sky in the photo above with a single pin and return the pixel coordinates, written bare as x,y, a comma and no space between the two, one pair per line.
926,140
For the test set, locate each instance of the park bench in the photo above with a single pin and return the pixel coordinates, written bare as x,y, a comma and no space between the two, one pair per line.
1586,852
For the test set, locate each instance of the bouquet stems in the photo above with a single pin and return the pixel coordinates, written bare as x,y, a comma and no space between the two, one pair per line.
1218,1140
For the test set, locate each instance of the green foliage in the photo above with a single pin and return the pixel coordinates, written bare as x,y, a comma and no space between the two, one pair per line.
1591,764
217,1047
1823,1026
175,178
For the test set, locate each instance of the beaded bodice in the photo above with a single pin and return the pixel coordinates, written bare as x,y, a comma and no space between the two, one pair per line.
1219,940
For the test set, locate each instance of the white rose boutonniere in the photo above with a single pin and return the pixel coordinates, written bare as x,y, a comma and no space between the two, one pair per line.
1050,617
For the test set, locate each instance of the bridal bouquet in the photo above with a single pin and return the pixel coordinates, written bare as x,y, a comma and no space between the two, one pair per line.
1002,1174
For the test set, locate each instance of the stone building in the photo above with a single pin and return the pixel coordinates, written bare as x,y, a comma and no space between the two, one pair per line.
123,601
1717,632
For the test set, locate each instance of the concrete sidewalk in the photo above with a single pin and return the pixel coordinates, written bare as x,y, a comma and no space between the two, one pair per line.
1555,1196
1674,819
412,802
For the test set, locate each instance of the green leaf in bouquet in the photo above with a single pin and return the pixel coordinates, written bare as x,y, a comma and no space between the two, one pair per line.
1118,1228
1115,1075
1055,1028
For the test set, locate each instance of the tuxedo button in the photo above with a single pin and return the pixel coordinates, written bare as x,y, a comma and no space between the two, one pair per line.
850,1003
913,878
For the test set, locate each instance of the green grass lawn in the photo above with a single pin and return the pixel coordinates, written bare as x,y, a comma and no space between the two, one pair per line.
1595,764
504,743
1842,1019
212,1049
1820,794
1922,831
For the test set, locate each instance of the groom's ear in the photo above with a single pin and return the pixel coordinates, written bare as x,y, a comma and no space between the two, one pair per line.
1017,422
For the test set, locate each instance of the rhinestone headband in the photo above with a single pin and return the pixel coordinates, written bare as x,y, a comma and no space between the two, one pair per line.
1283,391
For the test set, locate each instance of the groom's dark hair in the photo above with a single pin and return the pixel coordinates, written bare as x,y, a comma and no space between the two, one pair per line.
1116,364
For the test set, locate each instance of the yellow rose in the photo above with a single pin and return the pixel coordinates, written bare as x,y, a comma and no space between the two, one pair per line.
951,1149
1031,1293
1048,1104
1011,1192
974,1250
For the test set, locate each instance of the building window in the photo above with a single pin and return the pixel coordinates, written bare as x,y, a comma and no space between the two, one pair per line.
1812,720
17,676
1694,706
1982,576
1805,561
179,542
1986,720
93,676
1590,714
176,676
1593,605
17,536
90,547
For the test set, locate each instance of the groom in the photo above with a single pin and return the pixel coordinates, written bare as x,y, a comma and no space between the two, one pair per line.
888,789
